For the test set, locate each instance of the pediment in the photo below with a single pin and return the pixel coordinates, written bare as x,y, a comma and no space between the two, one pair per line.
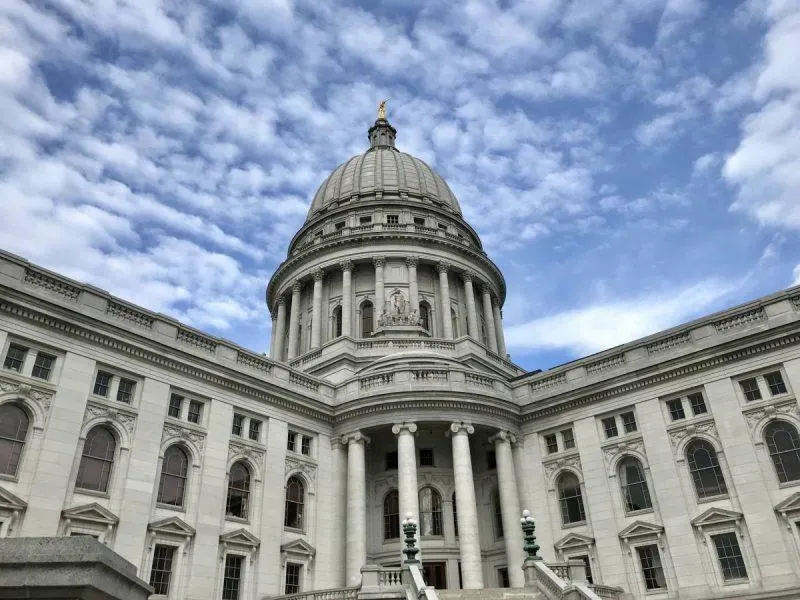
10,501
241,537
791,504
93,512
715,515
172,526
299,546
574,540
641,529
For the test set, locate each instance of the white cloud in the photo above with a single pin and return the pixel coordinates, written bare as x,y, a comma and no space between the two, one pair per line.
796,275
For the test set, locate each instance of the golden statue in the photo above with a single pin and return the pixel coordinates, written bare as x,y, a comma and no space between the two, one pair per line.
382,109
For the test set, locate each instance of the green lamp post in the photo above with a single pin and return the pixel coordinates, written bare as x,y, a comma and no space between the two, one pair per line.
410,531
529,529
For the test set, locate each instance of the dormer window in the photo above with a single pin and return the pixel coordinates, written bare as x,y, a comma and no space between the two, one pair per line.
392,219
365,220
339,226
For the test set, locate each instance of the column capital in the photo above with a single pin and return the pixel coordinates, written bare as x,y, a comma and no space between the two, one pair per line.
281,300
355,437
468,276
459,427
346,265
297,286
319,275
379,261
503,436
486,288
442,266
412,261
398,427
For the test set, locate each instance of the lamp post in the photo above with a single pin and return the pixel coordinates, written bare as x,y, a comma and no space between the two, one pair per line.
410,531
529,528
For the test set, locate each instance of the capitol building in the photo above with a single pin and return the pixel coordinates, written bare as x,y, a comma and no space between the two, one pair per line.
669,467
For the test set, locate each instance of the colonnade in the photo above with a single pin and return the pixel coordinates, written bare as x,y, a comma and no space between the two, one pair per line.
469,537
490,307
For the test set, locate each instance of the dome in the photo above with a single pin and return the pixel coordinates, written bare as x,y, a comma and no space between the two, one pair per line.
383,169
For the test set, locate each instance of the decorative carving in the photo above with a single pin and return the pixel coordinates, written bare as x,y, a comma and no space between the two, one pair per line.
238,449
605,364
51,284
95,410
397,311
572,461
398,427
253,362
503,436
743,319
549,382
611,451
354,437
669,343
297,286
459,427
122,312
198,341
373,381
318,275
295,464
177,432
795,300
467,276
379,262
43,398
412,262
678,434
477,379
346,265
302,381
754,416
442,267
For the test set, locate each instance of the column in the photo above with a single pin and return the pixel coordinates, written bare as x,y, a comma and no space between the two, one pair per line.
272,337
279,331
498,329
509,505
468,539
347,297
444,292
356,535
472,317
407,469
316,310
413,288
488,316
294,321
380,296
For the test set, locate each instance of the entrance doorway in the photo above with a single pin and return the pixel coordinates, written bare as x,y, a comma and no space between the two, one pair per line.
435,574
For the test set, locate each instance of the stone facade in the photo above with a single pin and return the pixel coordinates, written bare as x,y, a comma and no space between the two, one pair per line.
236,475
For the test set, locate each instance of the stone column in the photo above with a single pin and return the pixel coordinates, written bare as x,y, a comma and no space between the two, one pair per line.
472,317
413,288
316,310
294,321
279,331
347,297
380,295
509,505
272,337
356,535
444,292
488,316
498,328
468,539
407,469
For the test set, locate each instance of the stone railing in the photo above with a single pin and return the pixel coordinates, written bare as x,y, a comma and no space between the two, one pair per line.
195,340
565,581
606,591
373,381
305,382
381,582
125,313
331,594
256,363
430,375
743,319
306,358
478,379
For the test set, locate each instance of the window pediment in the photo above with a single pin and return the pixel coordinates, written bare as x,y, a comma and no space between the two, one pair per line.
91,513
299,547
240,537
11,502
790,505
639,529
171,526
716,516
574,540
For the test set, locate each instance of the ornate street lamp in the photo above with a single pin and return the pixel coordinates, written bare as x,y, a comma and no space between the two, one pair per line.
410,531
529,528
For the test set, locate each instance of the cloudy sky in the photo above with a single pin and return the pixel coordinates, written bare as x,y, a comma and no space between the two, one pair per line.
629,164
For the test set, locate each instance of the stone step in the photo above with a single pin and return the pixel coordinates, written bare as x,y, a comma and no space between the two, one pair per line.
492,594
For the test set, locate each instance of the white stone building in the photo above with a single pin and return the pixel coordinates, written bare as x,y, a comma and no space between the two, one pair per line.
671,464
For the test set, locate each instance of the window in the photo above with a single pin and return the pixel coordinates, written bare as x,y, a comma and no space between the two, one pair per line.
161,572
232,577
195,411
290,441
292,578
697,403
364,220
366,319
97,460
497,514
15,357
295,501
750,389
455,516
775,383
391,461
305,445
236,504
43,366
585,559
675,407
570,499
419,221
705,470
568,438
255,430
125,390
392,219
430,512
338,226
502,577
730,557
652,571
337,321
237,425
783,444
102,383
634,485
174,471
175,403
613,423
628,421
13,432
425,316
551,442
610,427
391,515
491,460
426,457
442,226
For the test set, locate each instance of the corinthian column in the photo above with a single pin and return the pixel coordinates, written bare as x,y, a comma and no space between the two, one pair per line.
347,297
472,317
294,318
509,505
413,289
468,540
488,316
498,327
316,310
407,469
356,531
380,296
444,292
280,329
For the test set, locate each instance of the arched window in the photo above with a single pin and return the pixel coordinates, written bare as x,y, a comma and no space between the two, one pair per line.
366,319
455,515
174,470
704,467
391,516
497,513
454,322
295,501
430,512
570,498
634,485
425,316
237,503
337,321
13,431
784,449
97,460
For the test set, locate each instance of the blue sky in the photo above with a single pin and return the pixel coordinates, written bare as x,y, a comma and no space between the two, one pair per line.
629,164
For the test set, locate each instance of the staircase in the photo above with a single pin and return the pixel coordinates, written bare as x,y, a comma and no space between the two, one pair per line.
492,594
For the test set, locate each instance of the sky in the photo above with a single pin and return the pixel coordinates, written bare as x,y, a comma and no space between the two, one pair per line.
629,164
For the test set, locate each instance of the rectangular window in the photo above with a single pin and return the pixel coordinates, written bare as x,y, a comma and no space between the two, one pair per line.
628,421
697,403
610,427
568,438
730,557
750,389
175,403
675,407
292,578
491,460
391,461
419,221
125,390
305,445
255,430
238,424
195,411
775,383
392,219
162,569
290,441
15,357
364,220
102,383
43,366
652,571
232,577
338,226
502,577
426,457
551,442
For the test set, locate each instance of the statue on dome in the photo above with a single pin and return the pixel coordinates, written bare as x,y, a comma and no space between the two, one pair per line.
397,311
382,109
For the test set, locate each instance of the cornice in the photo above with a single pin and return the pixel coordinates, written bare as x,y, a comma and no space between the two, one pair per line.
366,407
